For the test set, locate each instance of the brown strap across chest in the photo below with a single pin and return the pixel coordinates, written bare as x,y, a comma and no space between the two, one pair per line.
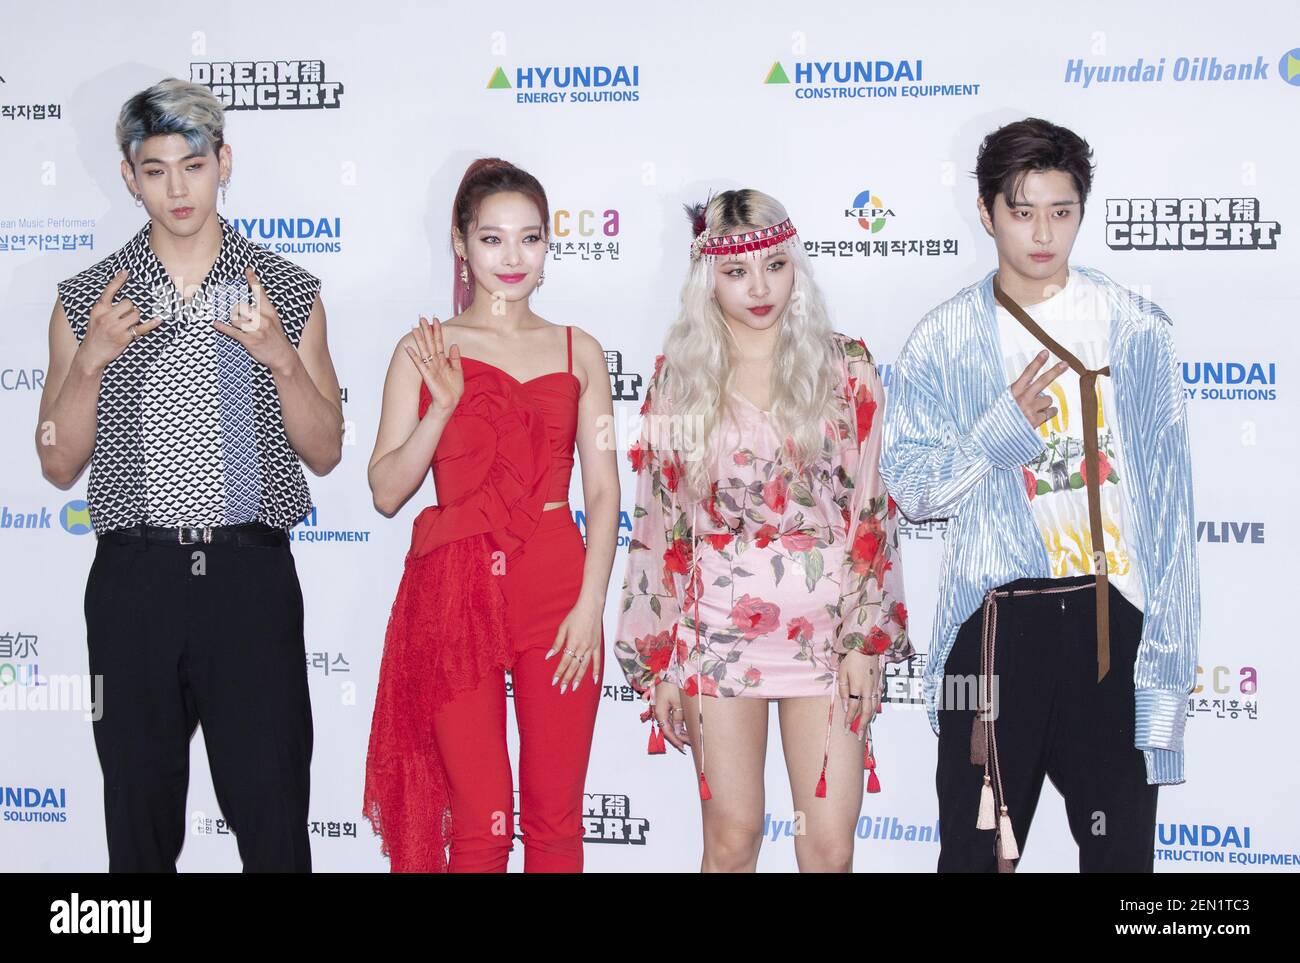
1088,400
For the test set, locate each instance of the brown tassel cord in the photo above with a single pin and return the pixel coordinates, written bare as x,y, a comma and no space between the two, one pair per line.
1006,839
993,812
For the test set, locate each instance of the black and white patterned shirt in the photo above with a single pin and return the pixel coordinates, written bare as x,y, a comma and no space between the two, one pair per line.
189,427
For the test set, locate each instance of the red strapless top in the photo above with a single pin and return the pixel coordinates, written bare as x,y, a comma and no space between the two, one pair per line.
556,397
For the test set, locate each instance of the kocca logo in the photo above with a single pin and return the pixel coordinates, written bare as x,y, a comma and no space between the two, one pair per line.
584,223
1247,682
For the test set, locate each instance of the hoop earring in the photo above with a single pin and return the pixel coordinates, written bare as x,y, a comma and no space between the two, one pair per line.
464,271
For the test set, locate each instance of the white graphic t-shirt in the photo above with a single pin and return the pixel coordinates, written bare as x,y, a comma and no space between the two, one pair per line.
1078,317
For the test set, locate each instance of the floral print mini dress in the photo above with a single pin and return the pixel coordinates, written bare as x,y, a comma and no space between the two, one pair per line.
760,589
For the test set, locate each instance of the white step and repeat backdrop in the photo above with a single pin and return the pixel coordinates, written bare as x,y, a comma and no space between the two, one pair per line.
353,126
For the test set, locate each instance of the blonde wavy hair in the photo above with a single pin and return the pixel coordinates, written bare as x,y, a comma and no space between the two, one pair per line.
697,374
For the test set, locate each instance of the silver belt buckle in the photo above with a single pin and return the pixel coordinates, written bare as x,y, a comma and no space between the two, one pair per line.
193,530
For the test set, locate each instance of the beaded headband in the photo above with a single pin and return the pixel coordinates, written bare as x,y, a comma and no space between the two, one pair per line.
745,243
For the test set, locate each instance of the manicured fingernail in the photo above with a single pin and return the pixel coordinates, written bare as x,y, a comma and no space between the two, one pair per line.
563,687
554,680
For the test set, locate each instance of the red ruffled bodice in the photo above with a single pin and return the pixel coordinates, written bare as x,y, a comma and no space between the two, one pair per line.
447,628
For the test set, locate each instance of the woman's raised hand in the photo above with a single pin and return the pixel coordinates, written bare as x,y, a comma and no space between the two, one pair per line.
440,370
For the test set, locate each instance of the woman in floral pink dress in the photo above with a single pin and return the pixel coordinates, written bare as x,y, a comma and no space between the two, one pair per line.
764,558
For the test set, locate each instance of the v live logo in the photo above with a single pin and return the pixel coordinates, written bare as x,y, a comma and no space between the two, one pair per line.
1239,532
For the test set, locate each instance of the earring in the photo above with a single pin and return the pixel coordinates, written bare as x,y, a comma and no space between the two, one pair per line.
464,271
224,185
139,200
541,278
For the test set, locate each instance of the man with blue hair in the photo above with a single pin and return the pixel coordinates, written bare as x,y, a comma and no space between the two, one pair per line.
190,369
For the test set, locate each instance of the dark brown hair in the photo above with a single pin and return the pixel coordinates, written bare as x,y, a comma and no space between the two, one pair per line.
1011,152
483,178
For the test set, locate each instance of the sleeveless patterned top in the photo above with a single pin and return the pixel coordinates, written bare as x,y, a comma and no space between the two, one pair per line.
189,429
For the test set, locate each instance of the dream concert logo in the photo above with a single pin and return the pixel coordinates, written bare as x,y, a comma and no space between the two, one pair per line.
1188,224
269,84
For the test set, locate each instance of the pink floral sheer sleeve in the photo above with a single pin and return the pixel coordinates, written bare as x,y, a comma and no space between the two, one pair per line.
649,612
872,606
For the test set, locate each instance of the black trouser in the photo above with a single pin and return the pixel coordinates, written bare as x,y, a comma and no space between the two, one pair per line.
1055,719
215,637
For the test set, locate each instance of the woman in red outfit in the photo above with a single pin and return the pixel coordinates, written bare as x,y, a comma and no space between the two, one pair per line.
497,578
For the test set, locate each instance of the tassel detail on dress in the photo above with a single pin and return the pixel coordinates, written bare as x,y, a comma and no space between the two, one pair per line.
656,746
986,818
705,795
979,742
873,781
821,785
1006,838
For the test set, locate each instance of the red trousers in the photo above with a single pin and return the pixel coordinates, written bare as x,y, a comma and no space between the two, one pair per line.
541,584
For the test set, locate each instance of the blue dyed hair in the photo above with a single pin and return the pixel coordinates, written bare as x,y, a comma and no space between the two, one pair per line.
172,106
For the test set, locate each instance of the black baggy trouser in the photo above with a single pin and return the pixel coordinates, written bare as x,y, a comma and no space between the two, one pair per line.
200,633
1054,719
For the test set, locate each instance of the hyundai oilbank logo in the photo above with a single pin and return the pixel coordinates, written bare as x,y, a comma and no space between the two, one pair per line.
1288,68
75,517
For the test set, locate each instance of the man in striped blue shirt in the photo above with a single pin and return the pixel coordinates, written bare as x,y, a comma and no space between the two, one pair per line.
1041,412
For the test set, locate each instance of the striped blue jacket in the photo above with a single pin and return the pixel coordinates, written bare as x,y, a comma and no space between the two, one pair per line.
954,443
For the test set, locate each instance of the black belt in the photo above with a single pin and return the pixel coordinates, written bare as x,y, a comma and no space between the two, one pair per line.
249,533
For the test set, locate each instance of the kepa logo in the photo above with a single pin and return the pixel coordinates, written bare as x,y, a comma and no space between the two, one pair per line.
869,211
